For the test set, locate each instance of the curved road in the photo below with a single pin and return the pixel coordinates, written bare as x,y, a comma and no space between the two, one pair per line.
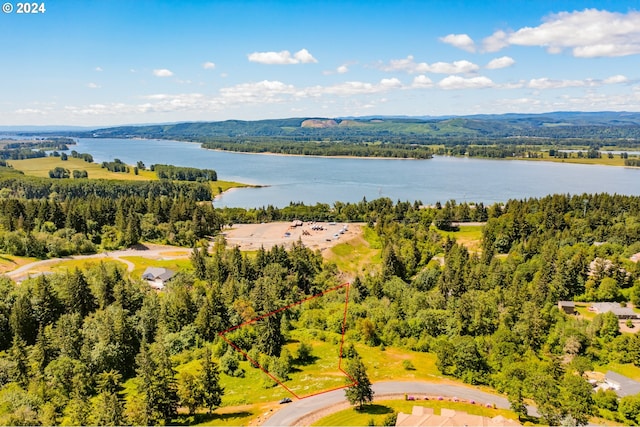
294,411
151,251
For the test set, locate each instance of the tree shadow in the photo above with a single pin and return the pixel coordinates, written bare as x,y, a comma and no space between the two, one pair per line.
374,409
307,361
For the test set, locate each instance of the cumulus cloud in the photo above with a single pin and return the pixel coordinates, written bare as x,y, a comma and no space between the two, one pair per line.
98,69
502,62
408,65
342,69
282,58
461,41
589,33
209,65
421,81
162,72
93,85
457,82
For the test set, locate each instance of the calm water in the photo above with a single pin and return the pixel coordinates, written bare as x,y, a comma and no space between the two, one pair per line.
326,180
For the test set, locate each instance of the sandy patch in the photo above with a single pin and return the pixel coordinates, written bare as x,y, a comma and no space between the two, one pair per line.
314,235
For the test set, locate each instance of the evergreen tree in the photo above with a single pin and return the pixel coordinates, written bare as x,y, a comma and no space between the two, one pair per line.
107,408
209,382
360,393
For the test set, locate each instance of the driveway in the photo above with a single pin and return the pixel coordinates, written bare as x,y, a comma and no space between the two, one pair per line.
298,409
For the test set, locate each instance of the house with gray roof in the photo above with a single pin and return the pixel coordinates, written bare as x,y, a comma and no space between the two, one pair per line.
623,386
615,308
157,276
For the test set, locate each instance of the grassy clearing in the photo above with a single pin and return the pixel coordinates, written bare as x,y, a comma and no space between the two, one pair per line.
603,161
358,254
469,236
382,409
219,187
11,262
142,263
41,166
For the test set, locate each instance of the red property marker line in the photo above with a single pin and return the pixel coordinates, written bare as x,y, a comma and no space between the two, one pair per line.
278,381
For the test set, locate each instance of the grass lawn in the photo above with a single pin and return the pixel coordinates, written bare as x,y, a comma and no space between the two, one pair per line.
382,409
357,254
11,262
470,236
626,369
142,263
582,309
41,167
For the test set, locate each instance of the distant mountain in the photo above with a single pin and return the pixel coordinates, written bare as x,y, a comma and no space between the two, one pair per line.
565,125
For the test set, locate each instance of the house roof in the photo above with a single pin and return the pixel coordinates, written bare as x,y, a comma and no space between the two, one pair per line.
625,385
423,416
615,308
158,273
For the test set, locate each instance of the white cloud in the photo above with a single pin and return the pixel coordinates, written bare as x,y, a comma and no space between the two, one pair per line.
304,57
410,66
282,58
457,82
495,42
93,85
98,69
421,81
162,72
589,33
342,69
461,41
456,67
209,65
615,79
546,83
502,62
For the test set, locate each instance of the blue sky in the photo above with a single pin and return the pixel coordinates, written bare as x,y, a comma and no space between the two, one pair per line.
110,62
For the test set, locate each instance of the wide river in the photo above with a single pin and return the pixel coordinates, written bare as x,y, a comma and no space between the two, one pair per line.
327,180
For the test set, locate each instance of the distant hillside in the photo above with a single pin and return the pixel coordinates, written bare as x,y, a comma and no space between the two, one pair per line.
558,125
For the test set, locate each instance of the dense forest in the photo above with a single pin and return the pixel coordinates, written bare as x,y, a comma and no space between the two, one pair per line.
70,341
96,345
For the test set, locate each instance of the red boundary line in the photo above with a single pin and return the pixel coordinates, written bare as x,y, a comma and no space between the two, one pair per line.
255,363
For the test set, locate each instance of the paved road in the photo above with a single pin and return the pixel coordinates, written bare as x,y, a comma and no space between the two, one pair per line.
151,251
297,409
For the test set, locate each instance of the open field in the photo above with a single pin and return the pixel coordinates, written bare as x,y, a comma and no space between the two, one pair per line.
250,237
603,161
383,408
357,255
11,262
469,236
41,166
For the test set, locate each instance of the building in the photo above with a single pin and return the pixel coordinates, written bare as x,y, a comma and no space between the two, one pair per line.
423,416
614,307
157,276
568,307
622,385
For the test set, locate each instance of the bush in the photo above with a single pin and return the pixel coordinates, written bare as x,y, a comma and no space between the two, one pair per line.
408,366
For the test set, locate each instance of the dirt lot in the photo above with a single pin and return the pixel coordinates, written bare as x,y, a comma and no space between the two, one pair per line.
249,237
